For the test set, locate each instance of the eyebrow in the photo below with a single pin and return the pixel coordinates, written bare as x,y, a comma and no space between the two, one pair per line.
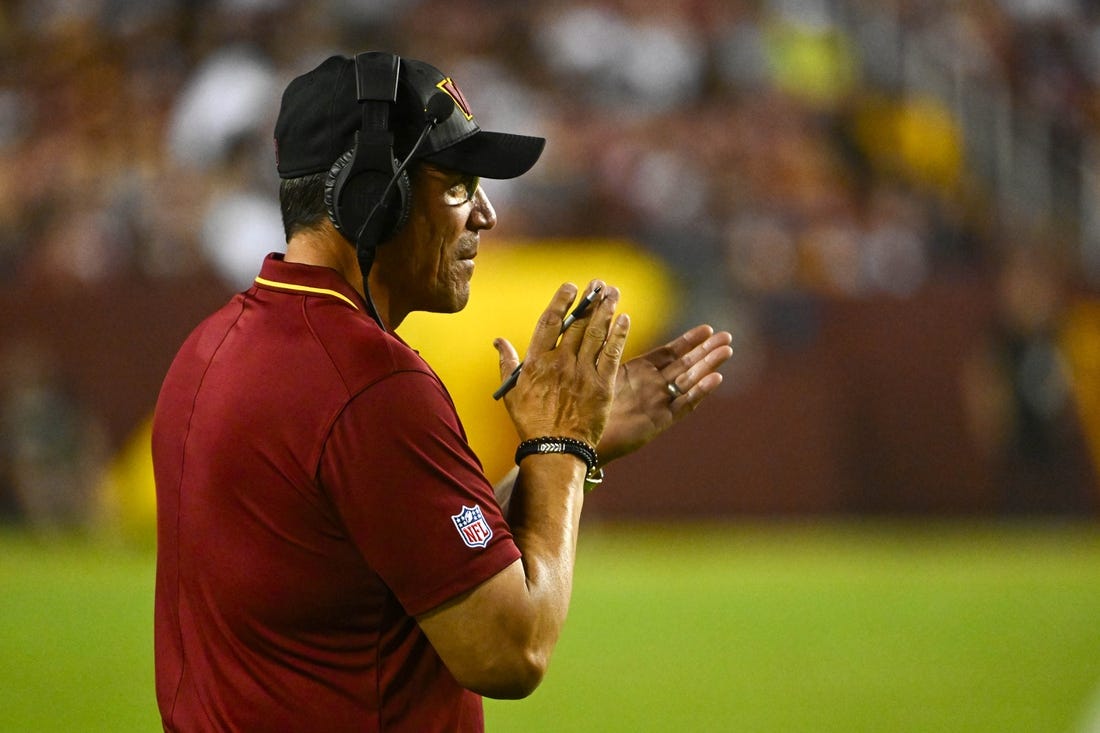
437,169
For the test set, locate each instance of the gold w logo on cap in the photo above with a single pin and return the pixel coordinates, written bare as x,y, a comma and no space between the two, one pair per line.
448,85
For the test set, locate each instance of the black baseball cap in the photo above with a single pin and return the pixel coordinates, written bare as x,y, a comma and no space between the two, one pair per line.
320,114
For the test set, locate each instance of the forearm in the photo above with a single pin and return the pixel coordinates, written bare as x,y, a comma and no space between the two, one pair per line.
497,639
544,517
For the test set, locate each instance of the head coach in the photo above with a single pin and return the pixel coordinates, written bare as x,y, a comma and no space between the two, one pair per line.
331,555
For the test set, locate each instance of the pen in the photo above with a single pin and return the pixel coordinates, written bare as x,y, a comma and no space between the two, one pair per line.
569,319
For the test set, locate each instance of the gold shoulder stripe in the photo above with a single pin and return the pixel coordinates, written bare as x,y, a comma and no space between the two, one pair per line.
306,289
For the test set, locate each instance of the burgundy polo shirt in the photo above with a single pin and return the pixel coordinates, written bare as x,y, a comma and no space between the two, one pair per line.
315,492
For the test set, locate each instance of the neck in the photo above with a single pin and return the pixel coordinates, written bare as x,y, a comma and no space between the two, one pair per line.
326,247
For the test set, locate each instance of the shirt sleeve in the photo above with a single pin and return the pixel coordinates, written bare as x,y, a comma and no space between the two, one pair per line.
412,494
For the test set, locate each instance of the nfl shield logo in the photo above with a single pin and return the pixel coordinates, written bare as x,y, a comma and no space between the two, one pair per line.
472,527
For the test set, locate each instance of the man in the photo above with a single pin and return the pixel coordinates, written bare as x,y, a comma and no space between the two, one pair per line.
331,556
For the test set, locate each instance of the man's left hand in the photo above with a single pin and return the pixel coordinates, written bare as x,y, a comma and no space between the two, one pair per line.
645,405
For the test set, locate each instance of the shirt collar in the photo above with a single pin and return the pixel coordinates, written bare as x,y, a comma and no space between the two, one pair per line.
278,275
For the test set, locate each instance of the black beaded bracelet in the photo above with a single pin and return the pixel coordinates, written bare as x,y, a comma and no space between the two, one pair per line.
579,448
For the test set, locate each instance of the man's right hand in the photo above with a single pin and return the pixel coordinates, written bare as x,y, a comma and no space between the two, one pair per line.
566,388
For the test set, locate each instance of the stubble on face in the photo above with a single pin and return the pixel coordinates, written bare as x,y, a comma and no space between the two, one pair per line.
430,262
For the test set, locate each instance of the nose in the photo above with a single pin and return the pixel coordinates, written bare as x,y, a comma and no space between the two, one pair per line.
482,215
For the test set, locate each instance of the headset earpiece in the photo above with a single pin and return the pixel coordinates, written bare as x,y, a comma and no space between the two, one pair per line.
367,190
351,197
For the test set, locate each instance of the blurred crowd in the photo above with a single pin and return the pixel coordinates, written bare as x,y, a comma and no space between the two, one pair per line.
771,152
758,145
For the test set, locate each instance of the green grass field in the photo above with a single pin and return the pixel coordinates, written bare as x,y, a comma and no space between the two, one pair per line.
740,627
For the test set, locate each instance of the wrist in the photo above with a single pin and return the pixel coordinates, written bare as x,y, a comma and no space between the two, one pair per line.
550,445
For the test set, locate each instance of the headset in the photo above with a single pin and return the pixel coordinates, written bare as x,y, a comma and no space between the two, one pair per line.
367,190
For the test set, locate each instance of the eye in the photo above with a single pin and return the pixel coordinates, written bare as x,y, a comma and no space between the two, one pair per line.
462,191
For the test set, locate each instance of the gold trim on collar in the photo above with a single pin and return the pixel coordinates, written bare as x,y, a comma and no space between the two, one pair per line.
306,289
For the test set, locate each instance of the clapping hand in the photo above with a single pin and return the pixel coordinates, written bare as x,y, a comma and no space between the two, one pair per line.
656,390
